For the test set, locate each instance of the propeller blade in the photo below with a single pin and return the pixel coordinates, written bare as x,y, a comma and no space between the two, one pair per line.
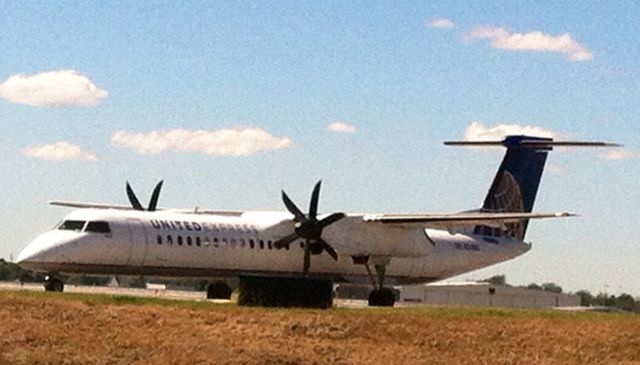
307,258
330,219
285,241
292,208
330,250
133,199
153,202
313,204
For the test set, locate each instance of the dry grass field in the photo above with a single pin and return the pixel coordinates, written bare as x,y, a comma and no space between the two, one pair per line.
48,328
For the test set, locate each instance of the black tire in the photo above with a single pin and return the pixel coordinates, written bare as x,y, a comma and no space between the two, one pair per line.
285,292
219,290
54,285
384,297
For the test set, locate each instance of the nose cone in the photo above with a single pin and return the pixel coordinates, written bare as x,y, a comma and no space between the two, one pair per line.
43,250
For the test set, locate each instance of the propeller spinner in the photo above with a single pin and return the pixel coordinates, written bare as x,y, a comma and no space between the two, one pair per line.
309,228
153,202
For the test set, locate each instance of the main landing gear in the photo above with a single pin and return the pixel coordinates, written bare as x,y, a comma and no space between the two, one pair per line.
303,292
53,283
218,290
379,296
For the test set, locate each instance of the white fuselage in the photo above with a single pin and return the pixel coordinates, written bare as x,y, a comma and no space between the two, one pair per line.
188,244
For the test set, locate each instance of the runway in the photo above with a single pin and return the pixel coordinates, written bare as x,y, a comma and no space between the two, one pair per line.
168,294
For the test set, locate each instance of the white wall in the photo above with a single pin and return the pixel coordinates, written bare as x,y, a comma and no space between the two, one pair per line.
479,294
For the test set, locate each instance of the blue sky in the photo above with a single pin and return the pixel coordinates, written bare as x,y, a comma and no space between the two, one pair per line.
230,102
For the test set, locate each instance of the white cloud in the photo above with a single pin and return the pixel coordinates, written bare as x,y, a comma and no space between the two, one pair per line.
440,23
537,41
241,141
53,88
477,131
617,155
341,127
59,151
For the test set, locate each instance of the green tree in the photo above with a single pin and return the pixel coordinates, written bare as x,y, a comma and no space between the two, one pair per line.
496,280
552,287
626,302
534,286
9,270
586,298
604,300
4,270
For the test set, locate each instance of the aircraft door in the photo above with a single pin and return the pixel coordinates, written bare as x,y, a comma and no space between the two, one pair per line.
138,240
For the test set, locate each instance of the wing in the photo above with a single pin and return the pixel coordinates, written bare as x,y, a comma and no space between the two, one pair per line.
85,205
89,205
447,221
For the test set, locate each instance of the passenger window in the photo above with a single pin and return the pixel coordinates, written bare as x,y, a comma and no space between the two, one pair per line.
198,241
179,240
269,244
252,243
71,225
98,227
189,241
159,239
261,244
170,239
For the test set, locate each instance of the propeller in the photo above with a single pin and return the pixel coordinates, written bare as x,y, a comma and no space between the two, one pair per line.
153,202
309,228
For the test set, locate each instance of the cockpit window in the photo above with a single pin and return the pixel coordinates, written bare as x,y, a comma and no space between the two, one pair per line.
71,225
98,227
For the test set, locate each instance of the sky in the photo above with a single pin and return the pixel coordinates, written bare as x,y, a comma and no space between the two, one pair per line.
229,102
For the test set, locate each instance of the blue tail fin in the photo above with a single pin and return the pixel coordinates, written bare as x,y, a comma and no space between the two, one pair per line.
515,185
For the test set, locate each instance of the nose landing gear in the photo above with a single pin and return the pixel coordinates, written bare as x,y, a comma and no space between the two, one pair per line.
54,284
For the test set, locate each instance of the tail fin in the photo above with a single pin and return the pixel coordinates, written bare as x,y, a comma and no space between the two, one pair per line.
515,185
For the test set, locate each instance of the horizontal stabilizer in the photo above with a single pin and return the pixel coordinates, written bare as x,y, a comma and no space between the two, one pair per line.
518,141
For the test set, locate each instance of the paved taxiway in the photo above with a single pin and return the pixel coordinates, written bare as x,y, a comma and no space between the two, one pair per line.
151,293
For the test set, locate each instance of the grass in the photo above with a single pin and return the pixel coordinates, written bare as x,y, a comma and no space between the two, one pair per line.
79,328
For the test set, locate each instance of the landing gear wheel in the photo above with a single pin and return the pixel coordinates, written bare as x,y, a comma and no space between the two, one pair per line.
384,297
53,284
218,290
300,292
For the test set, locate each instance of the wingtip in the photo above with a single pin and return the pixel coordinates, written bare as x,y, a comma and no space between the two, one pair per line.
567,214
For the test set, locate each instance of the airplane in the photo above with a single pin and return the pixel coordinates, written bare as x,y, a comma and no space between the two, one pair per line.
106,239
